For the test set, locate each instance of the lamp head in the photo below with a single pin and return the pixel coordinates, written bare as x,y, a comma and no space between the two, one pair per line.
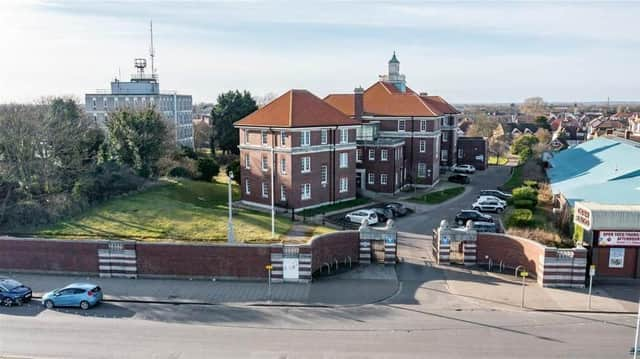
231,174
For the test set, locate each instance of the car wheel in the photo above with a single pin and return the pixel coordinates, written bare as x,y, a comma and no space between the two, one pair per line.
48,304
84,305
7,302
499,210
460,222
19,302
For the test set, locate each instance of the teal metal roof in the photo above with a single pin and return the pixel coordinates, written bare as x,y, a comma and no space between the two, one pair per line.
604,170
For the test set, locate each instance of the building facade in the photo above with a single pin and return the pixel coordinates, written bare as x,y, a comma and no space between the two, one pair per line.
421,131
473,151
297,152
141,92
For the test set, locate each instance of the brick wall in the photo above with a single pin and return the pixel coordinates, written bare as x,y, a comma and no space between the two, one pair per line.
235,261
337,245
42,255
513,251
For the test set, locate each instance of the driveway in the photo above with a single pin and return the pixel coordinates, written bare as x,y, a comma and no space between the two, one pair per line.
427,218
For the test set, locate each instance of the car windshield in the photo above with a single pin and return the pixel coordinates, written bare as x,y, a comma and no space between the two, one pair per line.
11,284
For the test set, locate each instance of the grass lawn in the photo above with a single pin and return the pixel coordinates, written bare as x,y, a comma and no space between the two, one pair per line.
335,207
516,180
176,209
493,160
439,196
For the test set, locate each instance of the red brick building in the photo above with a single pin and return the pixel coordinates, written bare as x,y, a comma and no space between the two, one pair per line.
299,148
416,131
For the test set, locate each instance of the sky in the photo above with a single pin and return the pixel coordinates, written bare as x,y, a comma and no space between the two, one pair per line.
467,52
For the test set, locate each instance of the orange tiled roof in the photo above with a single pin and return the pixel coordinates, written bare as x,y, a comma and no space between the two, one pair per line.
384,99
297,108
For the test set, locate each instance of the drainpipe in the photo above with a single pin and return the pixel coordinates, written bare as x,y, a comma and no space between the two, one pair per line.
273,177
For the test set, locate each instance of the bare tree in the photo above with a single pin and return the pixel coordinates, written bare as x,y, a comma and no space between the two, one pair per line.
482,127
533,106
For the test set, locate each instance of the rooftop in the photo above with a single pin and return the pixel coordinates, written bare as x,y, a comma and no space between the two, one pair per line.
605,170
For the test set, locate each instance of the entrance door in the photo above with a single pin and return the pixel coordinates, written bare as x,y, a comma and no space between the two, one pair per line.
359,180
456,252
377,251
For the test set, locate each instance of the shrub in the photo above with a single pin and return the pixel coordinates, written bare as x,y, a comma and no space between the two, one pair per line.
208,168
531,183
525,193
180,171
520,218
188,152
524,203
234,167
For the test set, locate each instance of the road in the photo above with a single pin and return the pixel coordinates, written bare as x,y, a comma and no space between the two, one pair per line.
423,319
425,221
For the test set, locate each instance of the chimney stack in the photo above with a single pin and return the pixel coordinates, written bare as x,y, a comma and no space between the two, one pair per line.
358,102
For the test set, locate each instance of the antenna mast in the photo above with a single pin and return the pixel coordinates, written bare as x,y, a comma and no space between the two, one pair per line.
151,50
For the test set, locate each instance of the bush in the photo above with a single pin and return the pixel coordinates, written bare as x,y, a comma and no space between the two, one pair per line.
524,203
531,183
520,218
234,167
525,193
208,168
187,152
181,172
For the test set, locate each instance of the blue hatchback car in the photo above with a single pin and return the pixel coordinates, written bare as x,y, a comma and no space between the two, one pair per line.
83,295
13,292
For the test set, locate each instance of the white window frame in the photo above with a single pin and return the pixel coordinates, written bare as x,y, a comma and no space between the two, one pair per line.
344,160
247,187
264,139
305,191
247,161
371,178
444,154
283,138
246,136
358,155
324,136
344,184
372,152
460,153
384,155
429,172
344,135
384,178
305,138
423,125
437,150
283,166
305,164
104,104
422,170
402,128
324,174
423,146
265,163
94,103
445,136
283,193
265,190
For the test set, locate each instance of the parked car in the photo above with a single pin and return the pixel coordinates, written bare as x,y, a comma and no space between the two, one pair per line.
488,227
398,209
472,215
463,169
13,292
488,206
493,198
462,179
83,295
383,213
495,193
358,216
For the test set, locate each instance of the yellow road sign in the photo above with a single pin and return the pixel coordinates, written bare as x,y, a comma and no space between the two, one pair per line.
268,267
524,274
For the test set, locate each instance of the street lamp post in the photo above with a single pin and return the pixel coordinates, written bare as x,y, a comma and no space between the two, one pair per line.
230,236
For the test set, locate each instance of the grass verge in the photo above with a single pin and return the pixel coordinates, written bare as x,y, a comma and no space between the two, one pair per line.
439,196
493,160
335,207
516,180
175,210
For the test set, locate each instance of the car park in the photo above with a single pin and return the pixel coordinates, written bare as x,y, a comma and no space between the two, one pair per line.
492,198
362,214
383,213
83,295
13,292
488,206
463,169
472,215
496,193
462,179
398,209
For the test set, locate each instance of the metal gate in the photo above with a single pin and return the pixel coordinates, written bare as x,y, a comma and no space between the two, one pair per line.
377,251
290,263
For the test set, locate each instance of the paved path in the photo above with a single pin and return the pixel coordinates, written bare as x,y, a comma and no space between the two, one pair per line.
299,232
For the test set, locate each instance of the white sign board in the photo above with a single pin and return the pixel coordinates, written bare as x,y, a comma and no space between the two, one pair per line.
616,257
592,270
618,238
290,268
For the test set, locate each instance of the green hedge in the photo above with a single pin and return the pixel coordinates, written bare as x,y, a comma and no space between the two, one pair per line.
525,193
524,203
531,183
520,218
